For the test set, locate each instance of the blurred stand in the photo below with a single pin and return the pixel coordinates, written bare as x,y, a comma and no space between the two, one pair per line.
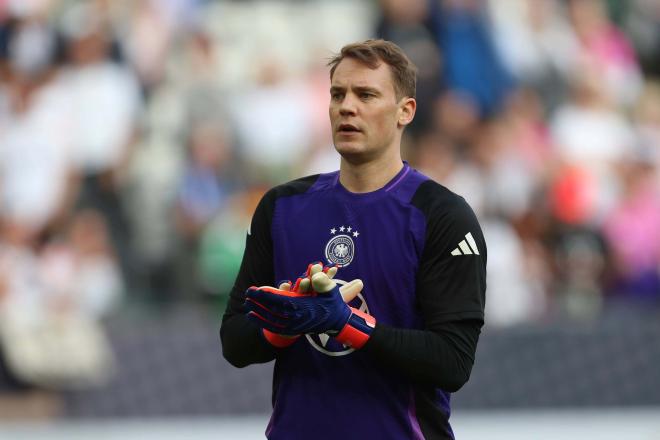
136,138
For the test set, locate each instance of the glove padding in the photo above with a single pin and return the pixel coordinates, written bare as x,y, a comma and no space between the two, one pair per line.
303,285
319,310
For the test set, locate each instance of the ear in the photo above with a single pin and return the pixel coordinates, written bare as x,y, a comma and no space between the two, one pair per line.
407,108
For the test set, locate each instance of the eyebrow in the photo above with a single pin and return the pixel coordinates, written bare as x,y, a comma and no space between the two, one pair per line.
357,89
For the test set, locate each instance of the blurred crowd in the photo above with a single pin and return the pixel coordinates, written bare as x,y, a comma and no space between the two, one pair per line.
136,138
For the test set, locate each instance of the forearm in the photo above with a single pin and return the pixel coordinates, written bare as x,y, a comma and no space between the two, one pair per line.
243,343
442,358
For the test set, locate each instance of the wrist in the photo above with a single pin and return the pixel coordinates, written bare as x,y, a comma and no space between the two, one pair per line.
357,330
277,340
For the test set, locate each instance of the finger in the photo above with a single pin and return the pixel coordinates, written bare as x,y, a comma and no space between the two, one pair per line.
350,291
316,268
264,322
285,285
322,283
331,271
265,313
313,268
278,303
304,286
271,292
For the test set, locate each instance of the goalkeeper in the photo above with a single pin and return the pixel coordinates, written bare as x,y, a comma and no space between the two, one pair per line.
379,356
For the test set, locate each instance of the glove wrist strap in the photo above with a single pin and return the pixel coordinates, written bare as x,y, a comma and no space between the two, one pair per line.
357,330
277,340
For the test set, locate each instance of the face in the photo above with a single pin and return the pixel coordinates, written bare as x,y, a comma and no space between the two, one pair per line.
365,115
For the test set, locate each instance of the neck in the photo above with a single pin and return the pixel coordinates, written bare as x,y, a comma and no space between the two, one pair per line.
369,176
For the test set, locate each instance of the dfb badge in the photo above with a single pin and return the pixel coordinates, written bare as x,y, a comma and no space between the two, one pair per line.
341,248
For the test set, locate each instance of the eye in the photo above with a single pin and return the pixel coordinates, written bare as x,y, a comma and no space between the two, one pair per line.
366,95
336,96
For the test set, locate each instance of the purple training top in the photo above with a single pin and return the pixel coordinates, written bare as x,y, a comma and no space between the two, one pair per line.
421,255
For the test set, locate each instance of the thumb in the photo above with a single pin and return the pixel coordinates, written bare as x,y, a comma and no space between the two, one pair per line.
350,291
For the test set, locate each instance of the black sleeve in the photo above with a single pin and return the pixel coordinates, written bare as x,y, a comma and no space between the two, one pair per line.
442,357
242,341
451,285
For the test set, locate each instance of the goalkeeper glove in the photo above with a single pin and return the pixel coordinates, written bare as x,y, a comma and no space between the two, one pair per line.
276,339
322,310
303,285
348,291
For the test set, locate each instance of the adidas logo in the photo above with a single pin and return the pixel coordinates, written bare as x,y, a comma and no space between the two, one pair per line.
468,247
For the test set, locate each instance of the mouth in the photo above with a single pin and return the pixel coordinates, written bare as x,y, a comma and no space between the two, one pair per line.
348,129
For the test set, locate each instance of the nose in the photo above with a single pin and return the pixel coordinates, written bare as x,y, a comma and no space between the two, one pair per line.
347,106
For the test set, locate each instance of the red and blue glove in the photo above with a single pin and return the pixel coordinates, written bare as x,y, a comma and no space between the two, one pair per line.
303,285
321,310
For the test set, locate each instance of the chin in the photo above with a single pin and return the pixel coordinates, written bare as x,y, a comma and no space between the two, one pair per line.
344,147
355,154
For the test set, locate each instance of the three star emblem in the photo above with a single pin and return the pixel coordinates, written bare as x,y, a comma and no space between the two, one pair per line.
348,229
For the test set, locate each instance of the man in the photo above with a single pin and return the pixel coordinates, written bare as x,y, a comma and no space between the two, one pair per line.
384,368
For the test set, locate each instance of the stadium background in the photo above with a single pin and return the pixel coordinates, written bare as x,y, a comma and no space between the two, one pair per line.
137,136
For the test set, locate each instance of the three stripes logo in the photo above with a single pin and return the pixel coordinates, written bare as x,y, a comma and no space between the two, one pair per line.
467,246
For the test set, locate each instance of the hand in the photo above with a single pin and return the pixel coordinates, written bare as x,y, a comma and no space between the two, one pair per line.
292,310
303,285
319,310
348,292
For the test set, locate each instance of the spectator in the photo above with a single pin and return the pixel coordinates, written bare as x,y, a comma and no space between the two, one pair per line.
407,23
646,120
222,244
37,176
51,306
537,44
632,231
472,66
272,113
642,25
206,187
604,48
81,270
106,103
591,137
148,41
